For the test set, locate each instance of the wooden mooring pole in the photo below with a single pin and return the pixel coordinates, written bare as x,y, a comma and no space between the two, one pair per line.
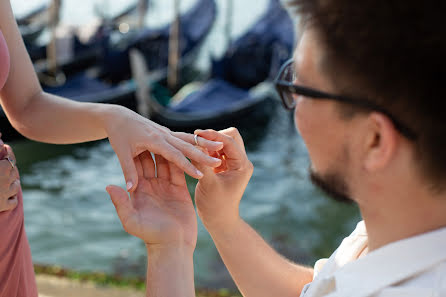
229,19
142,10
51,50
174,49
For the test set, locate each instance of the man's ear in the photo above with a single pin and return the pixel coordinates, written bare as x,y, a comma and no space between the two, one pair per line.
380,142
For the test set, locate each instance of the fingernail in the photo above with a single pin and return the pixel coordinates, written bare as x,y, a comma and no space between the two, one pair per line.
129,185
218,142
216,160
199,173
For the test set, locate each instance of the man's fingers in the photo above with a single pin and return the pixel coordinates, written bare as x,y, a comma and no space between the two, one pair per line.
138,166
162,168
194,153
205,143
235,155
235,134
121,201
148,165
176,175
129,169
209,173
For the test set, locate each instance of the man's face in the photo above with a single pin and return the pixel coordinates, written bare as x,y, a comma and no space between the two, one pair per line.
324,132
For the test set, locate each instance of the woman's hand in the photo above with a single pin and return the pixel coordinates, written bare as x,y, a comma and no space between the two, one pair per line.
219,192
131,134
9,179
160,211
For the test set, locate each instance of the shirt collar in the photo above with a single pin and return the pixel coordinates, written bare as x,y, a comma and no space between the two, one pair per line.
391,263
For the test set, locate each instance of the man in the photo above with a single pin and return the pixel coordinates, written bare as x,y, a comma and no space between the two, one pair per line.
366,85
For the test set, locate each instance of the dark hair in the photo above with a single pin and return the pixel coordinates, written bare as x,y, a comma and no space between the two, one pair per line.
392,52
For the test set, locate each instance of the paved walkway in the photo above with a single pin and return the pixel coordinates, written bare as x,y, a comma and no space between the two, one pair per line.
51,286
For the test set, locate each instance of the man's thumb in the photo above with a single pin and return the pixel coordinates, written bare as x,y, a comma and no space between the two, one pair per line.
208,172
121,200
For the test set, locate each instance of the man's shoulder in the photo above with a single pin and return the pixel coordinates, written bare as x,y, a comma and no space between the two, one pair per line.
430,283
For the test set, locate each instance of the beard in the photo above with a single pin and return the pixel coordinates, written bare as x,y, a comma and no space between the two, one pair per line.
333,184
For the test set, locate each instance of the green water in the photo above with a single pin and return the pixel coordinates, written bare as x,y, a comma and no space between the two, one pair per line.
71,222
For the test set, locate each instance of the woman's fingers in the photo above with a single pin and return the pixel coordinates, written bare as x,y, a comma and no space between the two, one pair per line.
172,154
14,188
13,175
128,166
9,203
211,146
5,169
194,153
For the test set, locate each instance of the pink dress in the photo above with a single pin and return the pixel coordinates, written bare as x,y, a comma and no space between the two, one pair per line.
16,267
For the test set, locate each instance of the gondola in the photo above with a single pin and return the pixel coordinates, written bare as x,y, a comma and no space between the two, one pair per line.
108,83
82,51
33,23
240,88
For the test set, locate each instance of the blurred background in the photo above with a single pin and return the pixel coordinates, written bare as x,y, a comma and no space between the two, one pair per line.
69,218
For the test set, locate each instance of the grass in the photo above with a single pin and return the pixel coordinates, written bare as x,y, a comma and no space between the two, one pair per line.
103,279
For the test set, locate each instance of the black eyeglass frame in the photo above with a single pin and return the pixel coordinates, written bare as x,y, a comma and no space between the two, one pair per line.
283,86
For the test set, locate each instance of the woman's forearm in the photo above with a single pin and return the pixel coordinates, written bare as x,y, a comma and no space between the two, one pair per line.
52,119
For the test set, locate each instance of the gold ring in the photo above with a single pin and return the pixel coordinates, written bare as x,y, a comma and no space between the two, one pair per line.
11,161
196,139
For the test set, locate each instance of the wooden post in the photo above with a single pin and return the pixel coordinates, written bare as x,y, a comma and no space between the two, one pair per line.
142,10
174,49
140,75
51,50
228,27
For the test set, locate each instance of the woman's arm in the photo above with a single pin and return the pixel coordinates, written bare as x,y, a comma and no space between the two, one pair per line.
48,118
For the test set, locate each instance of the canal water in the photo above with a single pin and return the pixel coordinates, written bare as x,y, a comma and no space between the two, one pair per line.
71,222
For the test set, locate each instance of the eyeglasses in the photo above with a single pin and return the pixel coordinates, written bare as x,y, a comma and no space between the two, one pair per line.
286,88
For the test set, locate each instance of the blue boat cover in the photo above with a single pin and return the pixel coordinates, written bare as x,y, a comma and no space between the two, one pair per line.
216,96
154,43
80,85
257,55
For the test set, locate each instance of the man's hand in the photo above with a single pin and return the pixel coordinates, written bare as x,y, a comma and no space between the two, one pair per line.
219,192
161,213
160,210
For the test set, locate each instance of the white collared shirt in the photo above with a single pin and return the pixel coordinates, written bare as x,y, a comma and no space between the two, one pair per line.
411,267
